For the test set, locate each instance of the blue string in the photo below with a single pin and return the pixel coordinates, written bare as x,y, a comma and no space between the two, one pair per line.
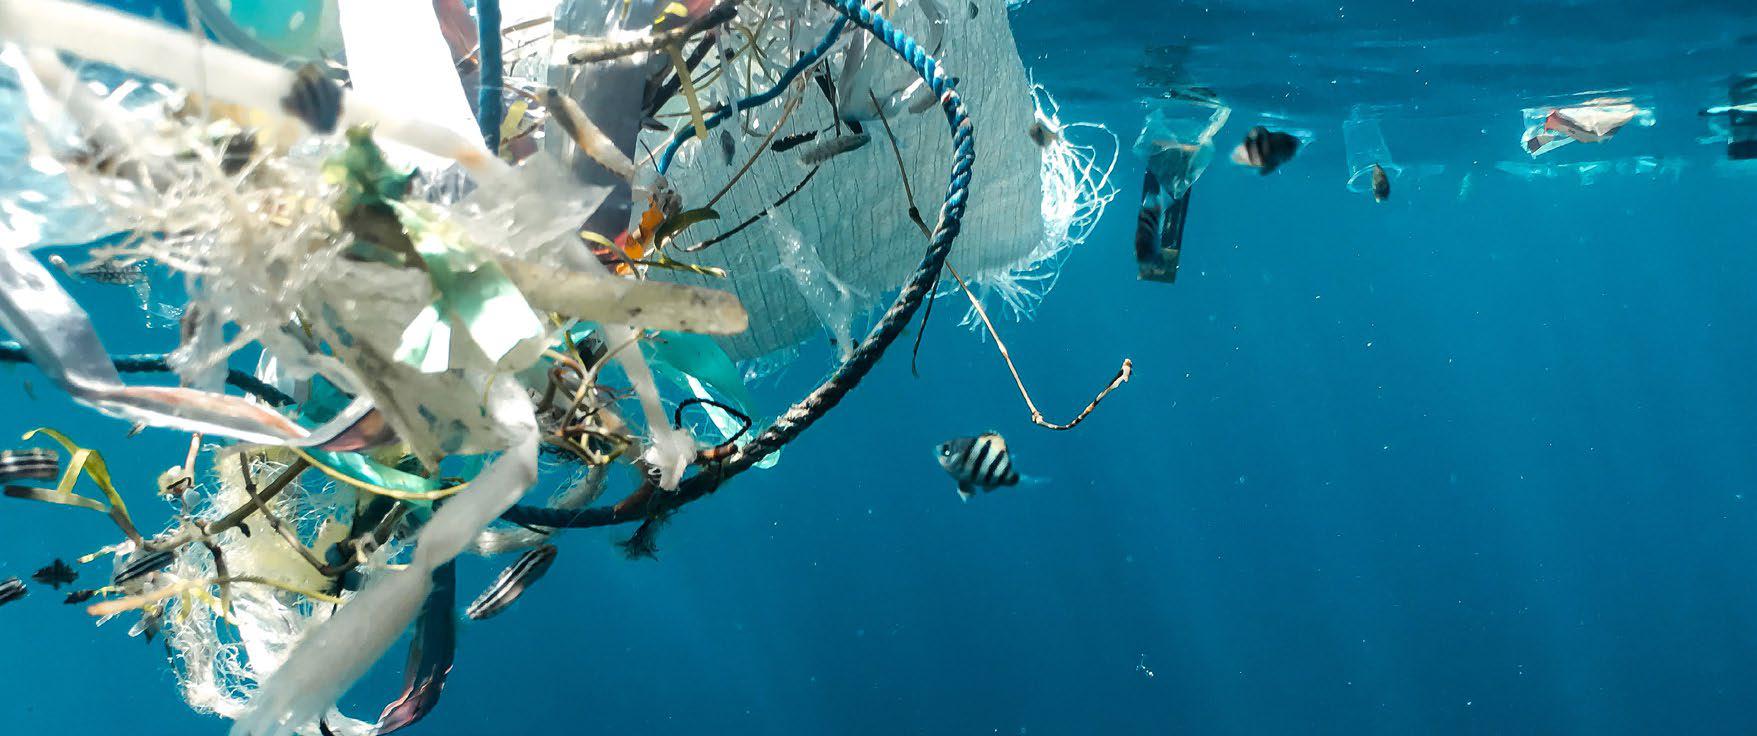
811,57
490,106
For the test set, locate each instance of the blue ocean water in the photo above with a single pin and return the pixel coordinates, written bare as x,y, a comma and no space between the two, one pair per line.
1453,463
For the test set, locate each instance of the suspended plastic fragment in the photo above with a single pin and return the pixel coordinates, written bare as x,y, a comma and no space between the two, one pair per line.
830,298
1177,144
1593,121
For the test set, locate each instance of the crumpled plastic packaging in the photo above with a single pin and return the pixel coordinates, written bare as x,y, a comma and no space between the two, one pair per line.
1593,121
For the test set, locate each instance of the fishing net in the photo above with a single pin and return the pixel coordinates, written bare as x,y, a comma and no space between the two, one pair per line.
853,213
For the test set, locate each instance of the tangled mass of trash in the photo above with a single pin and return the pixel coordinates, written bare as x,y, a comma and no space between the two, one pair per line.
402,304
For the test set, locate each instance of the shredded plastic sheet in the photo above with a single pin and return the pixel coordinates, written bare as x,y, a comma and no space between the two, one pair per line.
331,657
60,339
219,672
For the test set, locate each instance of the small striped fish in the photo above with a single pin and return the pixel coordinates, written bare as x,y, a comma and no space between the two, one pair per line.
35,464
978,462
512,583
139,565
1265,150
1381,184
11,590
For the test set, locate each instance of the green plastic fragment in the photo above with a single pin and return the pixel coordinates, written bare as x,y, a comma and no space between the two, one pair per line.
367,178
699,356
473,293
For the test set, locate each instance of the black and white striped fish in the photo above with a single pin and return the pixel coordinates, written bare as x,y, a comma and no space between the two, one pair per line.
978,462
11,590
140,565
512,583
33,464
1265,150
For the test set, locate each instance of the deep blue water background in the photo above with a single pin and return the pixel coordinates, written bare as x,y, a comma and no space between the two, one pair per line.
1440,465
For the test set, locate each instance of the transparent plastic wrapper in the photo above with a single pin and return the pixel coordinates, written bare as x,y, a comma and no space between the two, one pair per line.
1177,144
1364,142
1591,121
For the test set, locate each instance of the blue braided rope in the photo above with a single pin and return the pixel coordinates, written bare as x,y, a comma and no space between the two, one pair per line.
489,104
489,71
818,403
811,57
12,352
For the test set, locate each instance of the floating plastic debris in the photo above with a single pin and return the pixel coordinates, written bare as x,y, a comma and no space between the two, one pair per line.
1177,143
1593,121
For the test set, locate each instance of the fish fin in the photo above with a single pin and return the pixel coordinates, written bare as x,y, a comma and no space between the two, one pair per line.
965,491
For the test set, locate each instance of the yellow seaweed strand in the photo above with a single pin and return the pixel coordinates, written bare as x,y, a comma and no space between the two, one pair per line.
375,489
683,79
90,463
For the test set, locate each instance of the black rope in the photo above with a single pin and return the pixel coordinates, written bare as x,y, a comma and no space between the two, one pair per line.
12,352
